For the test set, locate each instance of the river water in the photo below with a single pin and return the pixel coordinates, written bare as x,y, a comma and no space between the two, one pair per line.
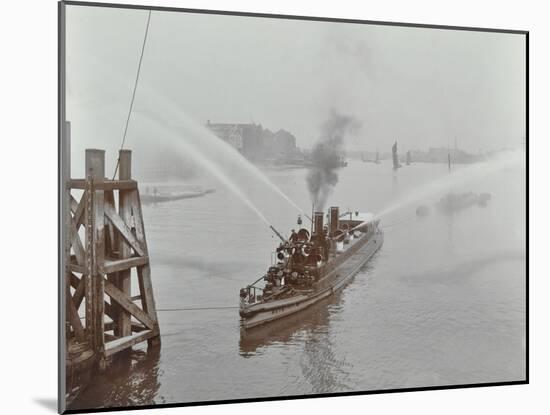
442,303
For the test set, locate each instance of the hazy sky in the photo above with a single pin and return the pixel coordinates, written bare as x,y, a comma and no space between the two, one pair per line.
423,87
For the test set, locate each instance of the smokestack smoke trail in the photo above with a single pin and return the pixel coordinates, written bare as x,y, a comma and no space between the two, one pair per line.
326,157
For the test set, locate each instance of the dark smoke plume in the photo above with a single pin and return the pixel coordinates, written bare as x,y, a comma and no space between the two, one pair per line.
327,156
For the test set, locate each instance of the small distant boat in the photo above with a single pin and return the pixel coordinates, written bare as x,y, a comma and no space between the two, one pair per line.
395,157
342,161
159,197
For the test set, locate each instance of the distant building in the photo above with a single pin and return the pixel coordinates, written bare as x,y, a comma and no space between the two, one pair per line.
244,137
257,143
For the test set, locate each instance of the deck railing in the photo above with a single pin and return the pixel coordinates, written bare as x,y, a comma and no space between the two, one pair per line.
253,292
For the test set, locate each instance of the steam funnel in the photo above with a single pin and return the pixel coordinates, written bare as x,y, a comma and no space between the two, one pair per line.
318,222
334,219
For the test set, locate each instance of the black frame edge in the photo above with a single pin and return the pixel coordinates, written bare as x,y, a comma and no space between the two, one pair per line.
290,17
293,397
61,372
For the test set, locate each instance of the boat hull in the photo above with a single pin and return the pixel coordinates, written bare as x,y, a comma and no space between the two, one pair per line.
264,313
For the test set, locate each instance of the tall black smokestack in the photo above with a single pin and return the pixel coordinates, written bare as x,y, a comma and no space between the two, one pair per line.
326,157
334,219
395,158
318,222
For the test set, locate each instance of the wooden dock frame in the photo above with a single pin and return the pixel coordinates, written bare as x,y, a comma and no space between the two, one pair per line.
99,269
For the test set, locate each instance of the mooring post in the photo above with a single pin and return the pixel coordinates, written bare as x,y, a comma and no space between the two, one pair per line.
95,175
114,245
125,212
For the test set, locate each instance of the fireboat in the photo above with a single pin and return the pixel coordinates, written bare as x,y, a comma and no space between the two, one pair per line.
307,268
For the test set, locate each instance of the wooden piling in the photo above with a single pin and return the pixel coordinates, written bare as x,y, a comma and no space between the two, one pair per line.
124,250
144,273
95,172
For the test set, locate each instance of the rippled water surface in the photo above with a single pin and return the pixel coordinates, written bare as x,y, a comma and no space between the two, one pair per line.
443,301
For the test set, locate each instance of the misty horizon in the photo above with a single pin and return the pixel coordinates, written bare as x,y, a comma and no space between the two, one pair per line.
422,87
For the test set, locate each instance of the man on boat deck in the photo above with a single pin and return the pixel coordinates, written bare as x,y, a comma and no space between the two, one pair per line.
293,236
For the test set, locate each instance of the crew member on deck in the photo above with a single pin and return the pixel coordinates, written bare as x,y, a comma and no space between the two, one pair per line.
293,236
